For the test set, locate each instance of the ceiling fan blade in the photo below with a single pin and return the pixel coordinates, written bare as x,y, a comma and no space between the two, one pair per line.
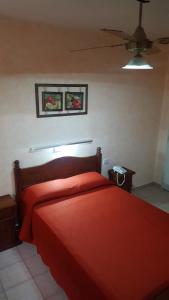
119,33
163,40
153,50
99,47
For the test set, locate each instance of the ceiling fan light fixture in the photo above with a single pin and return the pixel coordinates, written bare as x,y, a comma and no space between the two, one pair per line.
137,63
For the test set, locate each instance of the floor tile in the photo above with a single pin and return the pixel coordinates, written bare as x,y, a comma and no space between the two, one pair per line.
58,296
9,257
24,291
14,274
26,250
36,265
2,296
46,284
155,195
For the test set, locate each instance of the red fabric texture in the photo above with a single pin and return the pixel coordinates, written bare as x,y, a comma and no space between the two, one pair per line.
55,189
106,244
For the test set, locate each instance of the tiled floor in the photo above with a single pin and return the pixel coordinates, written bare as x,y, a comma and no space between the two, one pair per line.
23,275
154,194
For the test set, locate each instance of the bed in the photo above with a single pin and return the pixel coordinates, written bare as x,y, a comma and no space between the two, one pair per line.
99,241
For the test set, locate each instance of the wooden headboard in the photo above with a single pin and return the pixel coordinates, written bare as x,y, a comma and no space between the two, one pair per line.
61,167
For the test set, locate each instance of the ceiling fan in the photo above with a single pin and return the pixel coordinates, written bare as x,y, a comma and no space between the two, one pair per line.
137,43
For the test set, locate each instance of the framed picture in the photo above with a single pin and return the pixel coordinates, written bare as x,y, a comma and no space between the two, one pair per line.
52,101
74,100
55,100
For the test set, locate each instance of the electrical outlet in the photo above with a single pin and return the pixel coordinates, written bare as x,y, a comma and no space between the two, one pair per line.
106,161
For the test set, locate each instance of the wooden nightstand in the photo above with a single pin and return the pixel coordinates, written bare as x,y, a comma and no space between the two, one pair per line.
7,222
127,185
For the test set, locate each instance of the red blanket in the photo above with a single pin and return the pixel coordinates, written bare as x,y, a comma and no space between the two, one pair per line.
59,189
105,244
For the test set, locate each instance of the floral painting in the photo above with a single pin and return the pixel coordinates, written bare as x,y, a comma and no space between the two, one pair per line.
73,100
58,100
52,101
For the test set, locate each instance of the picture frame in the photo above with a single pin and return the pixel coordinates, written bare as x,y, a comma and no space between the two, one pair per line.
55,100
52,101
74,100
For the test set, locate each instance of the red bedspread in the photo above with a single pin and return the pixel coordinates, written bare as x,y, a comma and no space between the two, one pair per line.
105,244
59,189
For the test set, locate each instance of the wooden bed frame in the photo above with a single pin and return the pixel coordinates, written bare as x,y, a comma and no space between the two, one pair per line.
61,167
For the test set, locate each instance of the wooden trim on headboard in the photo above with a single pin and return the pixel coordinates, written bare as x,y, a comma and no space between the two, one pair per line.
61,167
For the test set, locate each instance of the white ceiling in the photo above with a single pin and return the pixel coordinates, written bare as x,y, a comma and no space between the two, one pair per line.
93,14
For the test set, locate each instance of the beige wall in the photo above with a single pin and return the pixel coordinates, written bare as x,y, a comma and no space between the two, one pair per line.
124,106
163,131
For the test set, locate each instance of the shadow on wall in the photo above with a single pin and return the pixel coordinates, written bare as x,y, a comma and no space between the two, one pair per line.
27,47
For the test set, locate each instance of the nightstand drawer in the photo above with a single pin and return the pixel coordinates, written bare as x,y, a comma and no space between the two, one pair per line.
7,212
7,222
7,232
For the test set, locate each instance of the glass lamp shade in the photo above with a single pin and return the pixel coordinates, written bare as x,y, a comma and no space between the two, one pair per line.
137,63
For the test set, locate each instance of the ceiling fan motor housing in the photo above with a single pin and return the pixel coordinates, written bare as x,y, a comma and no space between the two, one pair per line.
139,41
141,46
